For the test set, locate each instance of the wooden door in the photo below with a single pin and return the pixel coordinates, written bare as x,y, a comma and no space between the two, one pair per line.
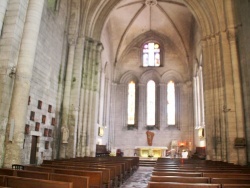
33,150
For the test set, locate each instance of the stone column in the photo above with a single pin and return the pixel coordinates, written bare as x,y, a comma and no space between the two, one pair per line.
66,97
142,106
208,98
195,103
163,104
17,119
95,95
74,86
3,6
241,153
111,139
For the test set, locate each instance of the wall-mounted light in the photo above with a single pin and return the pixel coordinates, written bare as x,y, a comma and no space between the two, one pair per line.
12,72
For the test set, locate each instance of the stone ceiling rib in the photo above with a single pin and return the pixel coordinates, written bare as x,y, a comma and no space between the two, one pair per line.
126,30
175,28
128,4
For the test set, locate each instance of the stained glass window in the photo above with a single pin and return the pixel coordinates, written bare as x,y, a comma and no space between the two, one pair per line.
151,54
151,103
171,103
131,103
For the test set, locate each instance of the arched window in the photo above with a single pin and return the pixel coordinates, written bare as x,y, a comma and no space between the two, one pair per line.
151,103
151,54
131,103
171,103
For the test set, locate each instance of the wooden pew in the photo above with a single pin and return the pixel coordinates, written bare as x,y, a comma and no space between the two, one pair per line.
31,174
18,182
95,177
235,185
186,174
107,179
78,181
199,170
181,185
39,169
180,179
231,180
116,169
226,175
2,179
6,171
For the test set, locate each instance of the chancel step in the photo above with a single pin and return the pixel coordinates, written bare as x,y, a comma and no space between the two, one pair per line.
147,162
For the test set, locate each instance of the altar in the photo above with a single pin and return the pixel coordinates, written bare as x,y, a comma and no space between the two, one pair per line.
150,151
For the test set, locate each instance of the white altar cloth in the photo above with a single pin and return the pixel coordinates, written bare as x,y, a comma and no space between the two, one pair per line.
150,151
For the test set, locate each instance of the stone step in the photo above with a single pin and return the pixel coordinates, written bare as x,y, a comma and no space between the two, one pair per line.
149,162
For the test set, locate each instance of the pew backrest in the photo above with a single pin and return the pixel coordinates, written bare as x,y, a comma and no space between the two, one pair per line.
181,185
180,179
235,185
186,174
78,181
18,182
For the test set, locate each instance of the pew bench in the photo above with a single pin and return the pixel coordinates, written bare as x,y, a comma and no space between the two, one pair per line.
226,175
78,181
95,177
235,185
181,185
106,174
18,182
186,174
231,180
180,179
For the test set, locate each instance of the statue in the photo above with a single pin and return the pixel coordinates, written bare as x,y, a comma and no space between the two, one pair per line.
150,136
65,135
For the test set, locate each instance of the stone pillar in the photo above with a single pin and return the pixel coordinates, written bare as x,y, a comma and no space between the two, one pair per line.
241,153
163,104
17,119
208,98
232,107
95,96
111,139
90,84
178,101
195,103
201,98
3,6
142,106
66,97
74,86
9,51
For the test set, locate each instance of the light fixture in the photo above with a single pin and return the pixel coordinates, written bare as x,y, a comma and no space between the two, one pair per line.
12,72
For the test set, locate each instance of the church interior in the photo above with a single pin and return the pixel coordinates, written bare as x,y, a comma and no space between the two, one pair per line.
144,79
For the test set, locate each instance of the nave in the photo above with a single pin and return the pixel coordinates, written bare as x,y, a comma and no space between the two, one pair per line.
126,172
139,179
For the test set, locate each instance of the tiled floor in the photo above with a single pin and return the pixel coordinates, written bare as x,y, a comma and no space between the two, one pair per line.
139,179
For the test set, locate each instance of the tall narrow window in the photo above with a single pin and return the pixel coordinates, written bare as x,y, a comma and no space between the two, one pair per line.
151,103
131,103
171,103
151,55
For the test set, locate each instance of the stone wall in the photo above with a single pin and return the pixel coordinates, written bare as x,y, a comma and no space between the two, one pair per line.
45,82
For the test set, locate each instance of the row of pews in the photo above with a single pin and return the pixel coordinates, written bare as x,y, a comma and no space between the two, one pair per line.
85,172
191,173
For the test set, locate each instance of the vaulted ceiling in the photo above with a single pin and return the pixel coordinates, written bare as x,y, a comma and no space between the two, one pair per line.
132,18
